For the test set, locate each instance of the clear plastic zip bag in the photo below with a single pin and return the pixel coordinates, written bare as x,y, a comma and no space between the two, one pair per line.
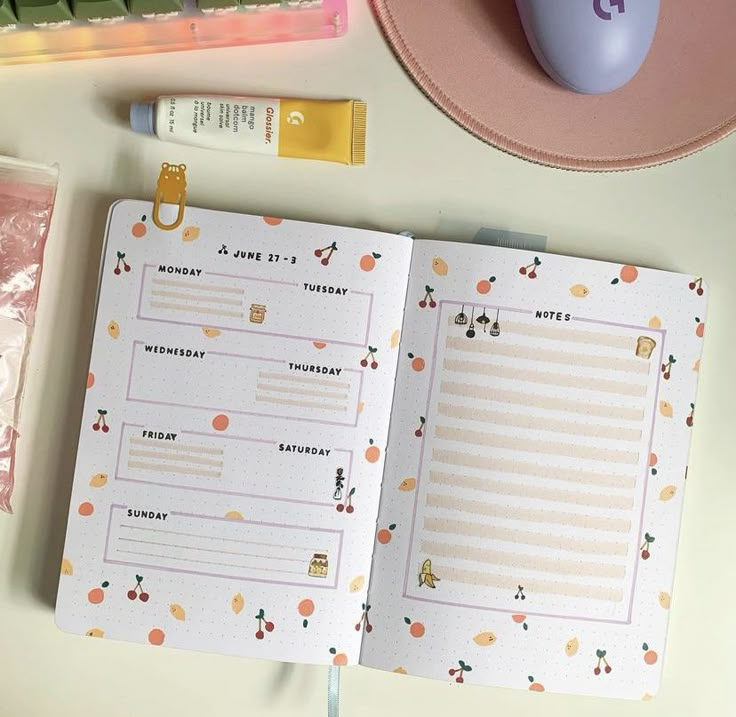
27,193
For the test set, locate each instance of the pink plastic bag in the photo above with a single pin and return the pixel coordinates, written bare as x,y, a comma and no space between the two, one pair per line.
27,193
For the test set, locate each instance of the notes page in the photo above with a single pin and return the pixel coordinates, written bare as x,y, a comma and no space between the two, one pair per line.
231,447
535,475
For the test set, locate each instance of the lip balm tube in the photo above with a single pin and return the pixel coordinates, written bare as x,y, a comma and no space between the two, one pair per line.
329,130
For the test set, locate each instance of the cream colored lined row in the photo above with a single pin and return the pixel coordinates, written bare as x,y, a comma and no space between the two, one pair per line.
175,446
491,531
539,423
296,378
523,562
195,460
529,445
532,586
182,470
197,310
506,465
521,398
546,378
178,284
521,490
262,398
194,297
528,515
545,355
300,391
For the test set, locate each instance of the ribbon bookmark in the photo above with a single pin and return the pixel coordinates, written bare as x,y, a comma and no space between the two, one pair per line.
333,692
171,188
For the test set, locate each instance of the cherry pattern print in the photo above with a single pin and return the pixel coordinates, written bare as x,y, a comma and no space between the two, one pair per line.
121,265
428,299
459,671
137,592
419,431
370,358
601,655
530,270
101,423
347,506
264,625
364,622
696,285
324,254
646,546
667,367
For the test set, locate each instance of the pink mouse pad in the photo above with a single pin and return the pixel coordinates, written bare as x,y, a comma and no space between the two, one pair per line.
473,61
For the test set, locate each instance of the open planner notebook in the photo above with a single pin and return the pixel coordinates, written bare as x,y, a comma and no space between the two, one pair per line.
327,445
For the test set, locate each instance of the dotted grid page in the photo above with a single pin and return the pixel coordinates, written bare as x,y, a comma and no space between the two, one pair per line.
233,436
535,471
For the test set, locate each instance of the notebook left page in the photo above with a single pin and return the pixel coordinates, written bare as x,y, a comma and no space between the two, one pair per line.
231,448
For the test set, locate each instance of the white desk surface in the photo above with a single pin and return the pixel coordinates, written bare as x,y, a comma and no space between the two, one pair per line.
424,173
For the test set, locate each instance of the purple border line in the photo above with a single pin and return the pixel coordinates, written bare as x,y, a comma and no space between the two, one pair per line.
276,335
369,294
637,327
267,524
233,410
513,612
140,293
251,278
253,496
646,475
231,438
422,449
309,585
339,533
219,491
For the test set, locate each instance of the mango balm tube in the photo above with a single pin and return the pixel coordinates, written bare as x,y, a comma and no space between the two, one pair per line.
330,130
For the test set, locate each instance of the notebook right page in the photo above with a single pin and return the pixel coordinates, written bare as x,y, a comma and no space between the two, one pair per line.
535,471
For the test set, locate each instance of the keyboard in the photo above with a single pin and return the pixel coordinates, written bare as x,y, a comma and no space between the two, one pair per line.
43,30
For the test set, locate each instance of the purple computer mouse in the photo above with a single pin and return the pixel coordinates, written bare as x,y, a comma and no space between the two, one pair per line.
590,46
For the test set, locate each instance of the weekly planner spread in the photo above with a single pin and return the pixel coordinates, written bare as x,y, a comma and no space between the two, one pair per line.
338,446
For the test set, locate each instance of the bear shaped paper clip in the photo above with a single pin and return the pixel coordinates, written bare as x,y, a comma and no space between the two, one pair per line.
171,188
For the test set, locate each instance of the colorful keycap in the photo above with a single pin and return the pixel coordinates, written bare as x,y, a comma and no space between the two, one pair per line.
40,11
148,7
7,14
86,9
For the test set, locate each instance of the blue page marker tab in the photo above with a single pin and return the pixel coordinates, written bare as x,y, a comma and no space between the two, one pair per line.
511,240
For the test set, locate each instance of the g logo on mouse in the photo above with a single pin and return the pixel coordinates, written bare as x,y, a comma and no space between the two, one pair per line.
605,14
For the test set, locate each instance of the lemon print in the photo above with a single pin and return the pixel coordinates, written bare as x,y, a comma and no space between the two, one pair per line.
211,333
401,671
439,266
408,484
95,632
655,322
579,291
66,567
484,639
668,492
664,600
237,603
113,328
98,480
234,515
572,647
356,584
190,233
177,611
665,408
395,336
